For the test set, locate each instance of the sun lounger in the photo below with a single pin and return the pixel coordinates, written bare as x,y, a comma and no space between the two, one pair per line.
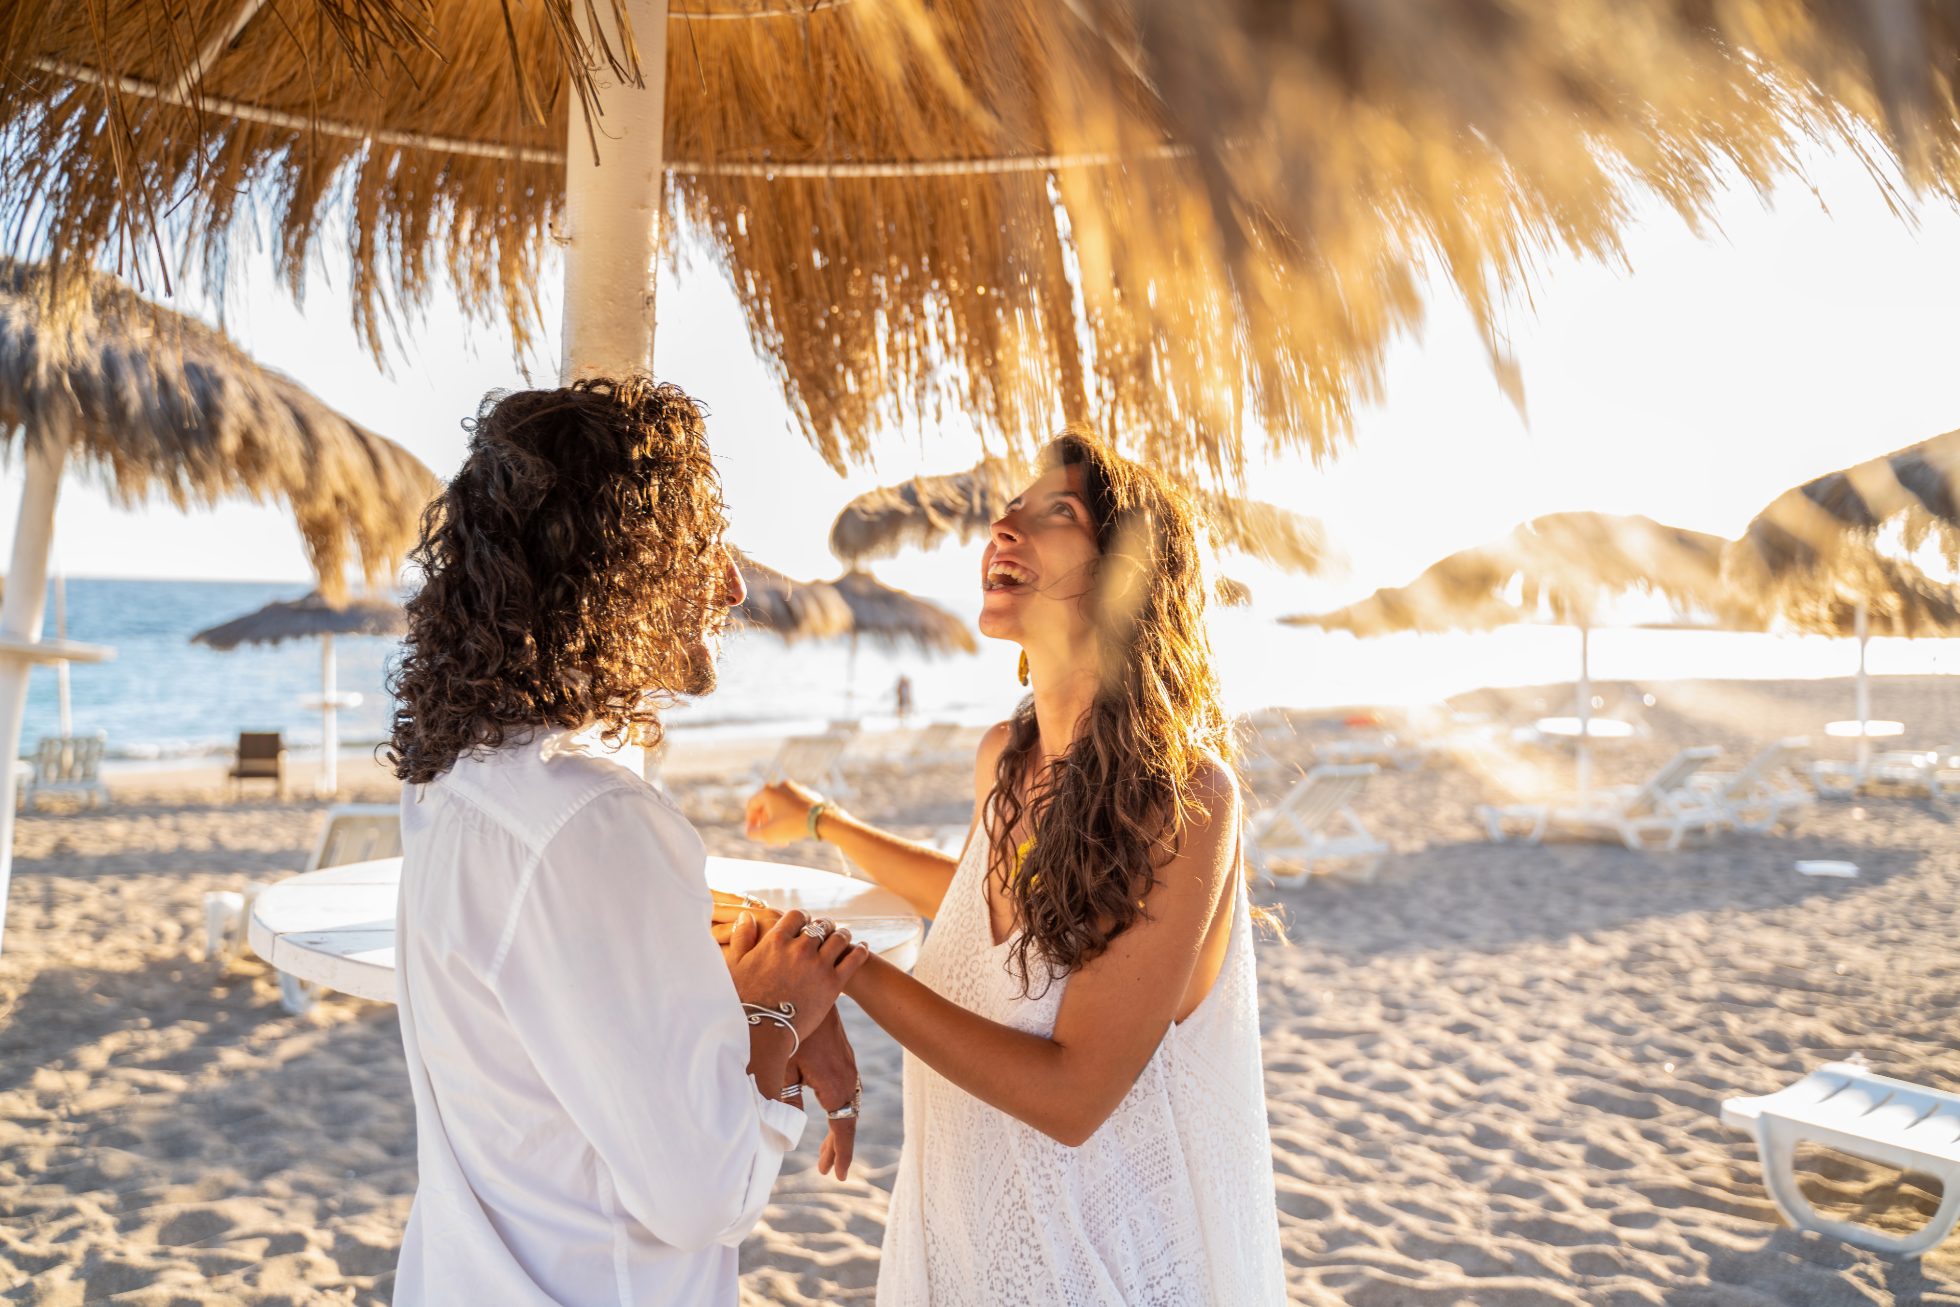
933,743
1842,1105
261,757
1315,822
1383,748
1934,773
1656,815
353,832
1765,794
67,764
814,760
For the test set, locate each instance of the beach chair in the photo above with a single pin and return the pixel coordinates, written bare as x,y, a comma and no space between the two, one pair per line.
352,832
933,743
1648,817
261,757
815,760
1934,773
67,764
1314,822
1842,1105
1383,748
1765,794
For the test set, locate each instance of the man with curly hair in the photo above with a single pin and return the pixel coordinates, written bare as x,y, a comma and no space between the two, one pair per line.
602,1098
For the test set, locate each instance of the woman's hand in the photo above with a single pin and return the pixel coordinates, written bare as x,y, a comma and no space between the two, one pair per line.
784,965
827,1066
779,813
728,909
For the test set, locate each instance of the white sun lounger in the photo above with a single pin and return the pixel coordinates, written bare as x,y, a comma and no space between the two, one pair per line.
1932,772
1314,822
933,743
67,764
354,832
1656,815
1842,1105
814,760
1382,748
1765,794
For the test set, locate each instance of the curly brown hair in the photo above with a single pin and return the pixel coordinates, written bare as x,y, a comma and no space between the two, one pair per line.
1108,812
569,573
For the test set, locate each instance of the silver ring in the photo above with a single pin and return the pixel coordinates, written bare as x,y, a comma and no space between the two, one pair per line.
751,901
846,1113
819,930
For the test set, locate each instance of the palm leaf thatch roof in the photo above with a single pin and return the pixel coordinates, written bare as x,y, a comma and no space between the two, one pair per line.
1165,219
927,511
162,405
792,610
895,619
1566,563
1807,529
307,618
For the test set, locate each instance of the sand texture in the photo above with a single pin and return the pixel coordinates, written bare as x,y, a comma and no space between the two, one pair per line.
1494,1071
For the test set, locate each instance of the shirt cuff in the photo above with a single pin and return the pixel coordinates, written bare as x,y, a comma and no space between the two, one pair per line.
786,1120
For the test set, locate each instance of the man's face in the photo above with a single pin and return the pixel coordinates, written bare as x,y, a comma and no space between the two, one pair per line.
706,651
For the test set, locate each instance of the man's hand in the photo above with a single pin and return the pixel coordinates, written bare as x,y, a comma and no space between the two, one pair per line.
784,965
827,1066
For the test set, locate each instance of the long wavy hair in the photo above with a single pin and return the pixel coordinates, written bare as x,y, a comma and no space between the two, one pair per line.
1107,814
569,572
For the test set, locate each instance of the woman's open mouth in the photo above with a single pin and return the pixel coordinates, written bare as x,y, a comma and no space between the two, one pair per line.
1002,575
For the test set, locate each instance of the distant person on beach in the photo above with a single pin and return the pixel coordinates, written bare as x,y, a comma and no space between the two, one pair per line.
600,1093
902,699
1085,1111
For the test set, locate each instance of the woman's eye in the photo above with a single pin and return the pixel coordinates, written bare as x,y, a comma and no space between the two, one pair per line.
1065,510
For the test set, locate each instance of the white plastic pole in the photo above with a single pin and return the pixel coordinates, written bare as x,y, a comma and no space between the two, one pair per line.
1862,627
1585,708
329,782
613,205
20,619
61,668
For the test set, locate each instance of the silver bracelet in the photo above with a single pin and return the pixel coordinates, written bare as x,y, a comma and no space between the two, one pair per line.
791,1093
783,1014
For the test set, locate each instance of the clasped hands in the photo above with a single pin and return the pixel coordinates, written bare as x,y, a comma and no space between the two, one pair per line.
825,1062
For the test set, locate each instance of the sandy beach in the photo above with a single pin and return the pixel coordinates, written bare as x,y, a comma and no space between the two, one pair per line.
1493,1071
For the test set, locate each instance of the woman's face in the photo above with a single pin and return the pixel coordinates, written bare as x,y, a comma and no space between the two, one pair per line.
1040,563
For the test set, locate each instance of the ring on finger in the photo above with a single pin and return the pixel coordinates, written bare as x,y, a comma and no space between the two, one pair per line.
819,929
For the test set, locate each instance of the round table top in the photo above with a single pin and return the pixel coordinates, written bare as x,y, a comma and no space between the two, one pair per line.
336,927
1869,730
1594,728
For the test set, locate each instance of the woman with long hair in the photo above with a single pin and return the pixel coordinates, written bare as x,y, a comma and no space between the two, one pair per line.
1085,1116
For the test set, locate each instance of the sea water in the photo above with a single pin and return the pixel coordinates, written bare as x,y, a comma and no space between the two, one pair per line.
164,697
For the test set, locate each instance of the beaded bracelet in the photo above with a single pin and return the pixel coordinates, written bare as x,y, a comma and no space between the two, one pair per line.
817,810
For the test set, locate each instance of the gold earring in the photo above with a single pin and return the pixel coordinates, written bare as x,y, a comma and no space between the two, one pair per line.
1023,670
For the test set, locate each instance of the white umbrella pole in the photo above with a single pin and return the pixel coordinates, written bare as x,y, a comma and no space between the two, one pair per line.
851,678
61,668
329,723
20,620
613,207
1861,618
1585,708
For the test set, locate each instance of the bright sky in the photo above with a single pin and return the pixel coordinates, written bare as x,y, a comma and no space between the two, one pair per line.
1805,335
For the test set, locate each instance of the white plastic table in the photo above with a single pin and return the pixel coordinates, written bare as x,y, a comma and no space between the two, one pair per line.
337,927
1595,728
1870,730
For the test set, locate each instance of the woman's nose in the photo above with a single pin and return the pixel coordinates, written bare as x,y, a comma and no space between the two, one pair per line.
1006,529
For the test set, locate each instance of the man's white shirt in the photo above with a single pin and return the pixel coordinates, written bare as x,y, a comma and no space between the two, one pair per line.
587,1131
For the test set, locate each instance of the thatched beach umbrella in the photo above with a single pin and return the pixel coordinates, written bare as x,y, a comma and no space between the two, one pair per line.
927,511
1810,558
314,617
1564,564
158,405
793,610
1168,218
895,620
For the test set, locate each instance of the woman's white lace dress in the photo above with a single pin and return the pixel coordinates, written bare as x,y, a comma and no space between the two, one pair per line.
1169,1204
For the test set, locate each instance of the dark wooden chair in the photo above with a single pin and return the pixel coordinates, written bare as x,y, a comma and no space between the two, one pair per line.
261,757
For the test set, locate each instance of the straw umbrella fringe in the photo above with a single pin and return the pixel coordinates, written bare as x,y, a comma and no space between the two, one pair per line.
936,204
791,610
895,620
1564,563
928,511
314,617
165,407
1807,526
